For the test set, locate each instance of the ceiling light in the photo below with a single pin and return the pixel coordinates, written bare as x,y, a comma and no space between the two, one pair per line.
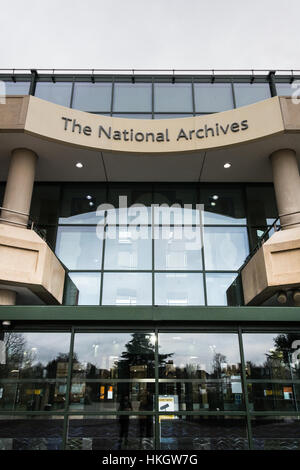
89,197
212,203
227,165
91,203
79,165
215,197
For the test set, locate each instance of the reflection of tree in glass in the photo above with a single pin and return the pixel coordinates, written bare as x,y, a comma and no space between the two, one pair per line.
15,347
138,360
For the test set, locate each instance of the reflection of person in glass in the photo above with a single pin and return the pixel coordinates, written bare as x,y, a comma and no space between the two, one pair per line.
145,421
125,405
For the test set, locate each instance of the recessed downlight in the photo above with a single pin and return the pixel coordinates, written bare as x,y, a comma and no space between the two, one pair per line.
212,203
227,165
215,197
79,165
89,197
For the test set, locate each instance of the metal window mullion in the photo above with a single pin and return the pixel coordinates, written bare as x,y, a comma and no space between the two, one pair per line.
72,92
156,408
68,390
233,95
245,389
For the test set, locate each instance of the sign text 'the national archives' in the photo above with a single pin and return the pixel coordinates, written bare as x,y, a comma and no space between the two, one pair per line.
130,135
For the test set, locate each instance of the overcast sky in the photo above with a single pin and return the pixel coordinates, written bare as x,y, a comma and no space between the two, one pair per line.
150,34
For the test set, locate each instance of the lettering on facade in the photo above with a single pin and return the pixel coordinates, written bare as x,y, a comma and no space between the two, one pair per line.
163,135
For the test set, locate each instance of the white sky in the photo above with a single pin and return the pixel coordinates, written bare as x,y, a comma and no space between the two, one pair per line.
150,34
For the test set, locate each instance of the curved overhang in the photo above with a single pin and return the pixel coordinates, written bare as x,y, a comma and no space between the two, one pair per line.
190,149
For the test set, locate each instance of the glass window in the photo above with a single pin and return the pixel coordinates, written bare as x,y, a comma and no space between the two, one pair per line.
114,356
274,396
203,432
176,204
171,116
35,355
216,287
16,88
80,202
80,247
199,356
261,205
193,396
111,432
178,248
59,93
276,432
223,206
92,96
88,285
132,115
225,248
213,97
272,355
127,289
33,396
45,204
175,97
105,396
179,289
247,93
31,432
122,197
133,97
287,89
128,248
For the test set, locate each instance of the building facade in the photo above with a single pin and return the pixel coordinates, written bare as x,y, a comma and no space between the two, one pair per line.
150,261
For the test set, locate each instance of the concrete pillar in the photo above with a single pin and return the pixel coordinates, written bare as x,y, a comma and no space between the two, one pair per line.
7,297
287,186
19,186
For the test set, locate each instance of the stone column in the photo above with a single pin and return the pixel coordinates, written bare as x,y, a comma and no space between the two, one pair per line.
7,297
17,197
287,186
19,186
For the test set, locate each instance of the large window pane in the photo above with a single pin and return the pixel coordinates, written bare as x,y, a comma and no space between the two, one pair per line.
111,432
175,97
274,396
127,289
216,287
114,355
80,202
223,206
88,285
178,248
246,93
179,289
59,93
203,433
225,248
31,432
80,247
272,355
176,204
213,97
33,396
34,355
45,204
276,432
261,205
199,355
16,88
131,204
133,97
104,396
193,396
128,248
287,89
92,96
